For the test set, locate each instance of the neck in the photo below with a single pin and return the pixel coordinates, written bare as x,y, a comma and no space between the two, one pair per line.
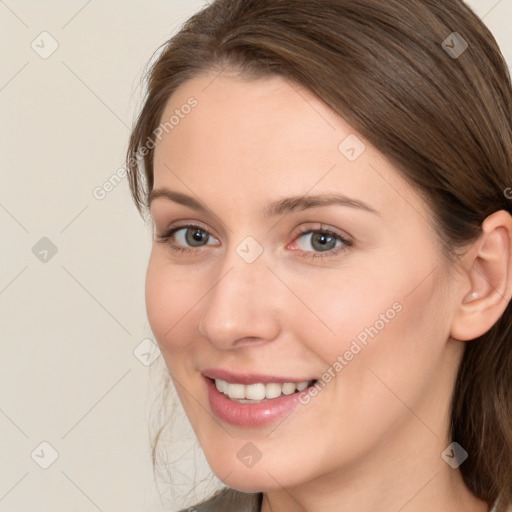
410,477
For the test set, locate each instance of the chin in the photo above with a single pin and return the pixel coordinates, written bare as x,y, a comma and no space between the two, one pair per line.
260,478
246,485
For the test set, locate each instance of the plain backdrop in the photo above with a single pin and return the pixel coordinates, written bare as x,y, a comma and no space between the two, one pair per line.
76,383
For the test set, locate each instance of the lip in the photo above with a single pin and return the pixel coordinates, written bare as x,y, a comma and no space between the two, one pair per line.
249,378
249,415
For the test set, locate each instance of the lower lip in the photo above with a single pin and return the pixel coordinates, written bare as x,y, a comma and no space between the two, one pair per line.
249,415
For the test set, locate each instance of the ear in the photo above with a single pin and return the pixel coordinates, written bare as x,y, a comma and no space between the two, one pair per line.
488,269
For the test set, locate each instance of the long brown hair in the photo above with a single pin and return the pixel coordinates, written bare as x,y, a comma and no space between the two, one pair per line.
440,111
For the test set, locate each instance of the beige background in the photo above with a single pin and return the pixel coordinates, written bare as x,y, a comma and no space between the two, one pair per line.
73,323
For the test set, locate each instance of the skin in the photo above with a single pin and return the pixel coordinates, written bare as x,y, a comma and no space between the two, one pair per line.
372,438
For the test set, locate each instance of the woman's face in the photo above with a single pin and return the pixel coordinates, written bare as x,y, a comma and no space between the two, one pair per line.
309,259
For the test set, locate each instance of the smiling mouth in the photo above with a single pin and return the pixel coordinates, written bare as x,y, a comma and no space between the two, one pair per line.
259,392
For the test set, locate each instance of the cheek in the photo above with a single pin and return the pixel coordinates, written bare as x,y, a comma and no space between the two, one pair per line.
170,300
383,318
402,340
341,305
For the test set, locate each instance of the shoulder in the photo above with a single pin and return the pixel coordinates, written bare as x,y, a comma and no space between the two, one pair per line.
229,500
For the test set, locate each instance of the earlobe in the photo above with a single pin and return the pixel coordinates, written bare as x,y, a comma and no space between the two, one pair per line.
489,272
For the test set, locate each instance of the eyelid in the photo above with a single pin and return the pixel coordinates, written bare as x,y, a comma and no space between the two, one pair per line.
181,224
323,228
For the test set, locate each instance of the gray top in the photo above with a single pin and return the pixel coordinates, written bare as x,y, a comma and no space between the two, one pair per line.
231,500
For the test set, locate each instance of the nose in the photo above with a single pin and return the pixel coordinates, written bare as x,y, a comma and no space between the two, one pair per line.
242,306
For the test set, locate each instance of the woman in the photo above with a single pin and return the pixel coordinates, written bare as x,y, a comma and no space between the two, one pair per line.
332,268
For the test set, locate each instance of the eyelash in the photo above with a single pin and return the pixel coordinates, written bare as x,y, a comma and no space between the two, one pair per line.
167,236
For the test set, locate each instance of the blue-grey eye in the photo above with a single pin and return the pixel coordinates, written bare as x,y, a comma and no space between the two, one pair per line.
192,236
320,241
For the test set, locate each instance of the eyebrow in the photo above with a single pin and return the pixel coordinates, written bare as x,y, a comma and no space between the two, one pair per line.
280,207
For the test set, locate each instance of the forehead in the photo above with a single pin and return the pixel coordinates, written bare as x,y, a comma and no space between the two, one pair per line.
237,112
269,136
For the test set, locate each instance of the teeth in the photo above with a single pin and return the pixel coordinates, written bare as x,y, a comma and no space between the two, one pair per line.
288,388
273,390
252,393
235,390
302,386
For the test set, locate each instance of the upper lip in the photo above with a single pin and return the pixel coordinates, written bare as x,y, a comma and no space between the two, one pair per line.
248,378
